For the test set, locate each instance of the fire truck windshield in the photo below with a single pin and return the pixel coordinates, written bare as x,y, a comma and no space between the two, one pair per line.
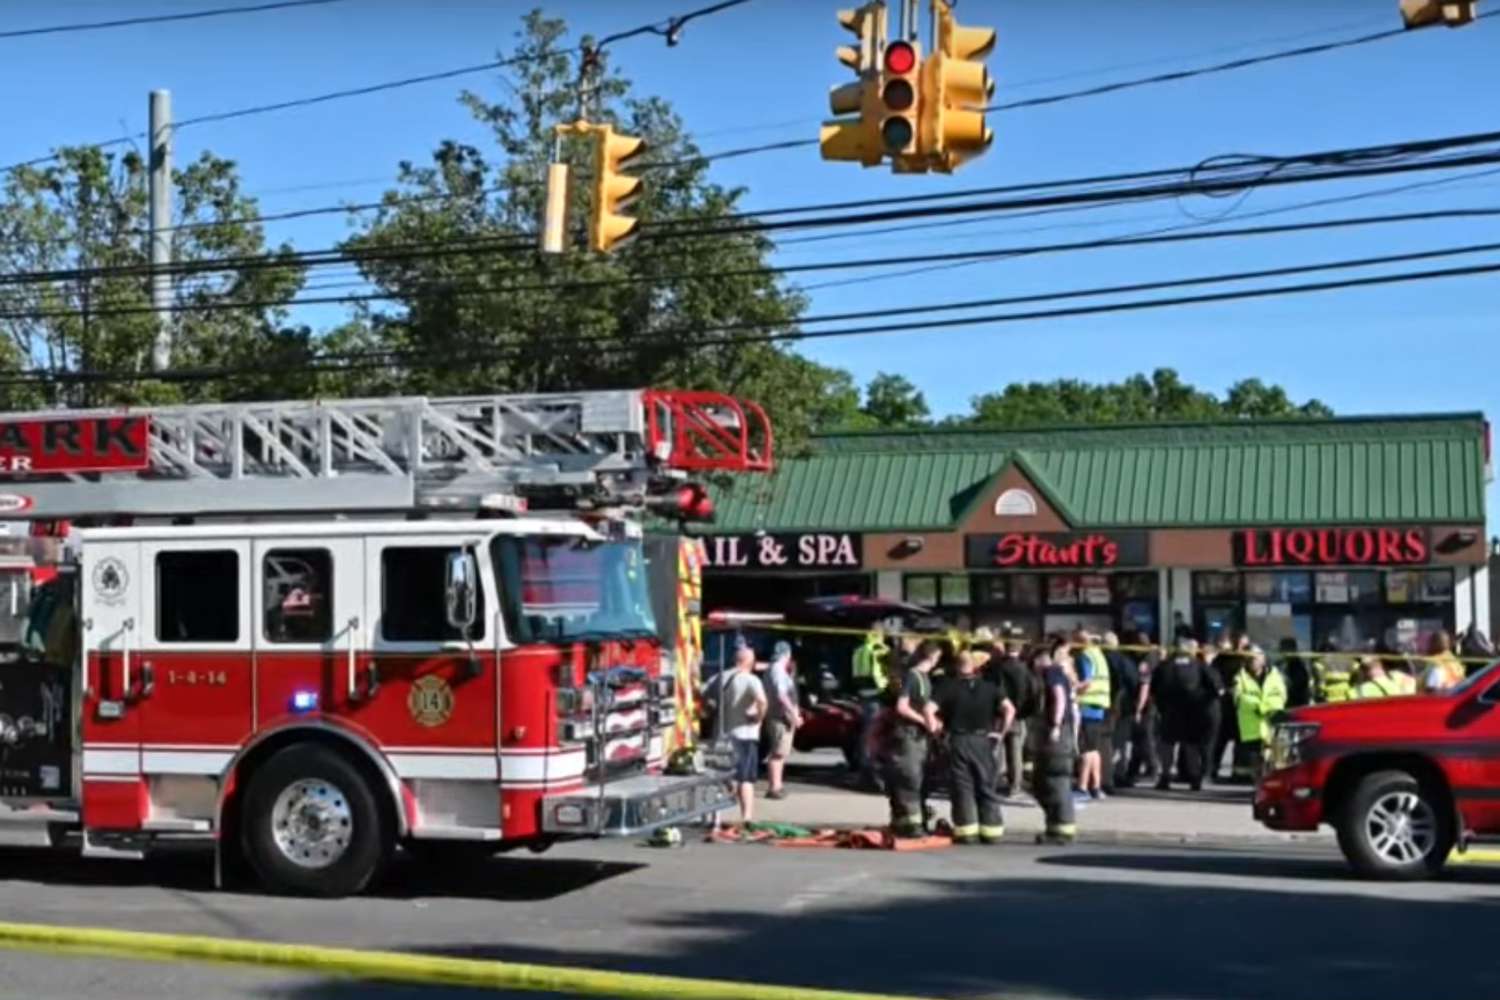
567,589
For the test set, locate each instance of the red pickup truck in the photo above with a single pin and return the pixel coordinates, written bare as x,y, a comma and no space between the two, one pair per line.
1402,780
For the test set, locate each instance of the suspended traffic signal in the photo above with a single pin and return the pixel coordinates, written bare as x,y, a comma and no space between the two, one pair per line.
857,138
614,191
1422,13
957,91
900,80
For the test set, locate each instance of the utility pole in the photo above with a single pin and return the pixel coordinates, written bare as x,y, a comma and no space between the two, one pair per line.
160,139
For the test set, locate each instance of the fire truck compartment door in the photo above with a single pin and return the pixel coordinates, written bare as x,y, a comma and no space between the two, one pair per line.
111,600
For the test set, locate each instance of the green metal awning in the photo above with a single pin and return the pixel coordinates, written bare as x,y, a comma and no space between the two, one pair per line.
1338,471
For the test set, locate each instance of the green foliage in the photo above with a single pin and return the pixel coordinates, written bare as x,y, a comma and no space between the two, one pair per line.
88,210
502,318
1162,396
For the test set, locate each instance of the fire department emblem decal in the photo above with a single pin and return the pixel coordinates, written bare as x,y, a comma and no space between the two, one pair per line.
430,701
110,580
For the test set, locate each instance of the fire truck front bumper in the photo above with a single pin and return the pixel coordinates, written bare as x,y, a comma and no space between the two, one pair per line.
636,805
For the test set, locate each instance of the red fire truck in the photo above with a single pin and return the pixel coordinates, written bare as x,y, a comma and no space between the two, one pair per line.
314,631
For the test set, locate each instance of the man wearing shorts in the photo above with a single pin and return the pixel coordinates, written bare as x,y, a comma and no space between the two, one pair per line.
782,717
743,707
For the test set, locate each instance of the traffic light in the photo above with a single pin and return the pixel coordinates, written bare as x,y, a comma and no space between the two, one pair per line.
613,191
957,88
1422,13
900,96
857,138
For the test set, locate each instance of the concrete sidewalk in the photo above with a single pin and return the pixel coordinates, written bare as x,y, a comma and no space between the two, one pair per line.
818,797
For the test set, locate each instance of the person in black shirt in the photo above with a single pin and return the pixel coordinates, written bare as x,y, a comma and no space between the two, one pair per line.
915,722
1023,687
970,709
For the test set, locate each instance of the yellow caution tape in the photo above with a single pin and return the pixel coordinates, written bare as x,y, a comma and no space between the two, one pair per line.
1123,647
396,967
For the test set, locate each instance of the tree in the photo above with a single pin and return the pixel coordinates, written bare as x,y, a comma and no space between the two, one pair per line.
498,316
84,216
892,401
1138,399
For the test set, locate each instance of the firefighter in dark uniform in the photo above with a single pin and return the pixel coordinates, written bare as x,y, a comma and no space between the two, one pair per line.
1055,746
974,712
915,723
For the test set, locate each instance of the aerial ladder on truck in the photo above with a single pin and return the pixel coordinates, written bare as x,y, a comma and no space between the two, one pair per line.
126,727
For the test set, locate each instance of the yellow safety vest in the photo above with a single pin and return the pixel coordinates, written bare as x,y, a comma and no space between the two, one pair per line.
1383,687
1256,701
1335,679
869,664
1095,693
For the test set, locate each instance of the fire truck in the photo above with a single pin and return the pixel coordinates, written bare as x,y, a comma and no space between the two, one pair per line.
312,632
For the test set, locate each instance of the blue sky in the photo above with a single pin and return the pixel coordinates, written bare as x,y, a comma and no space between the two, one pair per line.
760,73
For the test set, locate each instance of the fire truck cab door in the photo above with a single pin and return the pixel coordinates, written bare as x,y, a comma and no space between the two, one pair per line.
435,708
112,586
312,634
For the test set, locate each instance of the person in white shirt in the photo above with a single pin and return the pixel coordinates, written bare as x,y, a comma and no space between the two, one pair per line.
782,718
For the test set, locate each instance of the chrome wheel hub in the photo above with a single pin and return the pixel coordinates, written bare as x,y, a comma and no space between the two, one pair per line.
1401,828
311,823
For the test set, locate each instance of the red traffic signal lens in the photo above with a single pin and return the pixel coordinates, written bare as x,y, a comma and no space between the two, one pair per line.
900,58
694,504
899,95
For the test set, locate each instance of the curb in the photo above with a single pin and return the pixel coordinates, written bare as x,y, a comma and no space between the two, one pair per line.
397,967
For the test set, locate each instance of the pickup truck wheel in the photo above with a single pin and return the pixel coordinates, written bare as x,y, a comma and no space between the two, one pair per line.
312,825
1393,828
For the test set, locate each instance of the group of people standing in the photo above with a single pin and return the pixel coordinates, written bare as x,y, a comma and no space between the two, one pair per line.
1089,715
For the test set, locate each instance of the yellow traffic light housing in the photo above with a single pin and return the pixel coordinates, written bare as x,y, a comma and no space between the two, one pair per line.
957,88
857,138
900,100
614,191
1423,13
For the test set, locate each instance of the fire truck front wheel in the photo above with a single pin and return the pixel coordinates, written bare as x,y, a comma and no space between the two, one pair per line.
312,825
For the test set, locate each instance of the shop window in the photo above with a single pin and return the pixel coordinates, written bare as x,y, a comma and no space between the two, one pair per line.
955,592
1135,586
922,590
1094,590
1349,629
992,590
297,587
1415,586
1216,586
1345,587
1279,588
1062,590
198,596
1026,592
1270,624
412,596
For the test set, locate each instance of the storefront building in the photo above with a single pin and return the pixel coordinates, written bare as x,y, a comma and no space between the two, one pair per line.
1353,530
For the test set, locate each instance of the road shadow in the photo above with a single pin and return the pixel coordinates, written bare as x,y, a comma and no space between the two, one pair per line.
1241,794
1143,940
1320,865
524,878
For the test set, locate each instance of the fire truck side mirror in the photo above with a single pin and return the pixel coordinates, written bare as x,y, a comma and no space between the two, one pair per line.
462,591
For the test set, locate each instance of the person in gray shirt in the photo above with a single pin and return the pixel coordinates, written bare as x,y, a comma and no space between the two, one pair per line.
743,706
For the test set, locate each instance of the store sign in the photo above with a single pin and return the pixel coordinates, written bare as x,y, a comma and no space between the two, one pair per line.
1332,547
813,550
1057,550
95,444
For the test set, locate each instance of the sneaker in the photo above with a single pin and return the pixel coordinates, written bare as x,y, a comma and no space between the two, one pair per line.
779,793
1099,794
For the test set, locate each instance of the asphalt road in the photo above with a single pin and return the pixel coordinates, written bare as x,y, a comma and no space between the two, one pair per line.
1014,921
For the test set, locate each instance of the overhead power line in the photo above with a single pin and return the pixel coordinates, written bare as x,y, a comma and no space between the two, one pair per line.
1223,67
471,289
668,28
388,360
128,22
